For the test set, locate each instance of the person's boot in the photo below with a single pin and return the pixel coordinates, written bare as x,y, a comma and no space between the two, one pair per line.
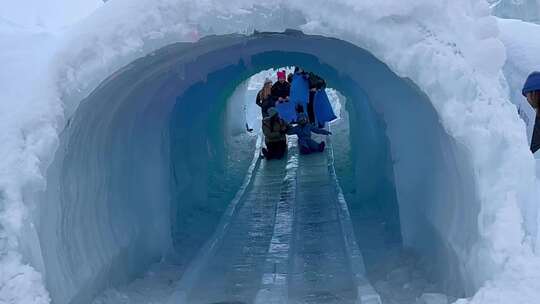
321,146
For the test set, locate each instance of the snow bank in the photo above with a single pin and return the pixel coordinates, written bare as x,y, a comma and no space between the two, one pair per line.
522,59
450,50
29,126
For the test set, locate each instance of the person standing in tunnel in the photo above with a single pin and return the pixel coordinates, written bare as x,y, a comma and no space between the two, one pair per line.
531,90
275,135
264,99
315,83
310,110
281,92
281,89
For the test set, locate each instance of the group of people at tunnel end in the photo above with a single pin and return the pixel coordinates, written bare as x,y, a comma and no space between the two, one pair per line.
296,104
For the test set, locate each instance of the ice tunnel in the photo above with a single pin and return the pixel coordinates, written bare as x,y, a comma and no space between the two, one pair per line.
141,168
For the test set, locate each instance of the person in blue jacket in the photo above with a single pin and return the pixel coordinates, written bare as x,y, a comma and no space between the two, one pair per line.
531,90
303,130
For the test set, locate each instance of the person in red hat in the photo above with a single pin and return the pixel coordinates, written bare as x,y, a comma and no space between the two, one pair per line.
281,89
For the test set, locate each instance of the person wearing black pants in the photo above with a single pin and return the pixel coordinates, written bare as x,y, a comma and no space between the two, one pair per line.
310,110
275,135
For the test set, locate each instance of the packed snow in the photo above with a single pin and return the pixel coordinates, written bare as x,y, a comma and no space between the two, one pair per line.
464,179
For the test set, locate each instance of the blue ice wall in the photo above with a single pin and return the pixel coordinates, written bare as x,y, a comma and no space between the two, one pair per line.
142,165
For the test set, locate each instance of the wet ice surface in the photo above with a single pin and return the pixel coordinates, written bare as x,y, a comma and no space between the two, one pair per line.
273,288
285,244
272,254
320,269
234,272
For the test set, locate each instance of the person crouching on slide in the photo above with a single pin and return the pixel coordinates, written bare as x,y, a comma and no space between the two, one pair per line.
303,130
531,90
275,135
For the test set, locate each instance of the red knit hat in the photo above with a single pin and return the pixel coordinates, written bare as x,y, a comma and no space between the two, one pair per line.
281,75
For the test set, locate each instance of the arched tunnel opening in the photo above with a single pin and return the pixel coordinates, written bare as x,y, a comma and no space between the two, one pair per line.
145,171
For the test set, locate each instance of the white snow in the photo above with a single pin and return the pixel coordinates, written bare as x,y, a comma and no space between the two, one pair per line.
450,49
53,15
522,60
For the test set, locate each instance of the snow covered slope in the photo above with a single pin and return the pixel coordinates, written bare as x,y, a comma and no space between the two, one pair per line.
450,50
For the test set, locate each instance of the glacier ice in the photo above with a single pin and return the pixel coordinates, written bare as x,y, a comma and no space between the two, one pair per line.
526,10
77,215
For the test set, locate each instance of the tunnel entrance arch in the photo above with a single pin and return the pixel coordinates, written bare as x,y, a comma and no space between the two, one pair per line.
121,136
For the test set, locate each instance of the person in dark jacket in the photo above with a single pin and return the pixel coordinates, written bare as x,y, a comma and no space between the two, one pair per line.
531,90
303,130
316,82
264,98
275,135
281,89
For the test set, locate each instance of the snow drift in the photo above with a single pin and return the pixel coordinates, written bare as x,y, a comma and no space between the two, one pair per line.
98,214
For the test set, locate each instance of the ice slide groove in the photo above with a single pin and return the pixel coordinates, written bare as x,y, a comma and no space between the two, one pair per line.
208,250
233,274
232,271
322,268
365,291
274,281
319,270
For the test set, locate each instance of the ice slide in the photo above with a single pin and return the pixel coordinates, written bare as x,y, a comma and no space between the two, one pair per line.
287,238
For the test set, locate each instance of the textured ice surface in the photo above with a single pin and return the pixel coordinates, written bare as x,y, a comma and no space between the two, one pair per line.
527,10
450,50
397,274
432,298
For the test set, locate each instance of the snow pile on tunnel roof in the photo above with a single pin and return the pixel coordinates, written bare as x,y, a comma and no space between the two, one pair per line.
450,49
522,59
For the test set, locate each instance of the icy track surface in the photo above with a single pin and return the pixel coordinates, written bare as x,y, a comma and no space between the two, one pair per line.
69,227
